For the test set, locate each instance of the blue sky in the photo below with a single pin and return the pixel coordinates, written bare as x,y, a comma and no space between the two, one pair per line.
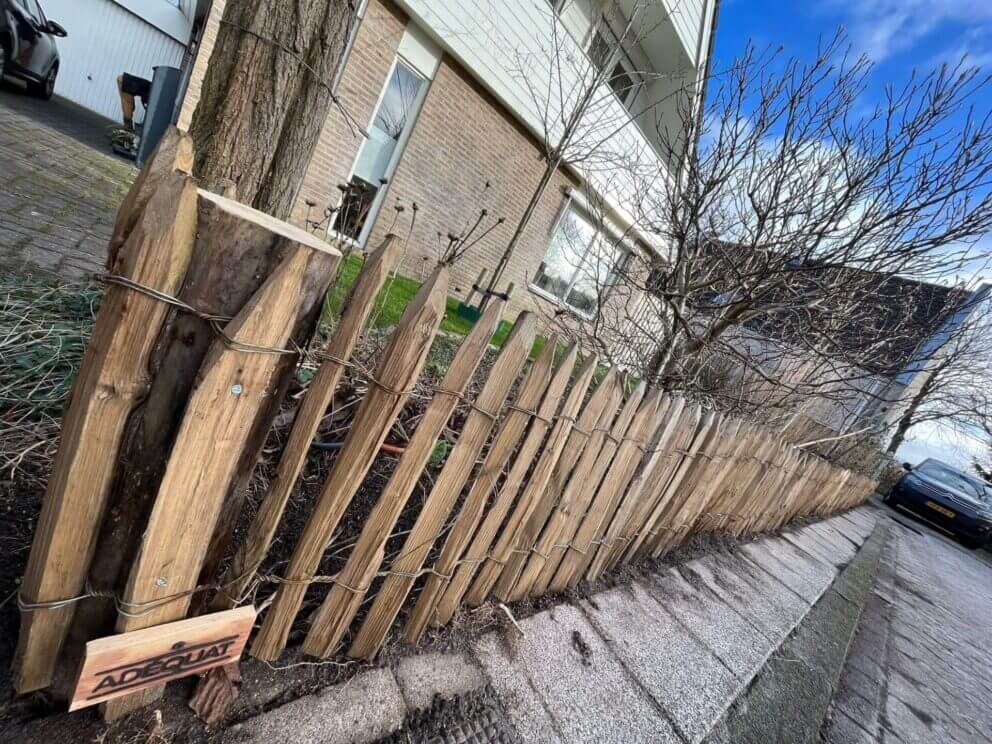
898,35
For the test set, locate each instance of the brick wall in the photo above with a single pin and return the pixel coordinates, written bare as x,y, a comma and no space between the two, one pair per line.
462,138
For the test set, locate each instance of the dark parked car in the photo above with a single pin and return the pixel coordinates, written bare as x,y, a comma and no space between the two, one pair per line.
27,46
952,501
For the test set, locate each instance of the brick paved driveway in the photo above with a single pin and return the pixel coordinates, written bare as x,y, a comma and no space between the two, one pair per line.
59,187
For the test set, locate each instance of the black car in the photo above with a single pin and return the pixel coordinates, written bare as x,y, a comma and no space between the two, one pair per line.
27,46
951,501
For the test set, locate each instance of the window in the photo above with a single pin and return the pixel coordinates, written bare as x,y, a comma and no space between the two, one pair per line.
603,48
580,264
392,122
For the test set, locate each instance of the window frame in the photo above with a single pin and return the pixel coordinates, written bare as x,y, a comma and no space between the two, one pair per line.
604,30
600,229
394,158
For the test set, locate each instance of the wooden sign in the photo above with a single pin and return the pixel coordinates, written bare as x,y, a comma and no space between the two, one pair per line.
122,664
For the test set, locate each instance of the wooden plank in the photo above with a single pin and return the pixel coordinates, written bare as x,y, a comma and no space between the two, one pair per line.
129,662
471,513
685,462
639,491
396,374
535,394
440,501
680,428
357,307
574,558
628,458
577,459
112,380
709,484
668,528
346,596
234,384
536,499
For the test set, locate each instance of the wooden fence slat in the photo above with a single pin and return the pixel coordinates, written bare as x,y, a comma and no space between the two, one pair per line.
537,500
234,385
573,466
614,480
759,471
574,558
344,598
684,466
357,307
619,477
442,497
538,479
112,379
471,513
545,399
639,491
397,372
682,423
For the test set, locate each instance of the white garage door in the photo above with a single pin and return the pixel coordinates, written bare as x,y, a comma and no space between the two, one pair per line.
107,38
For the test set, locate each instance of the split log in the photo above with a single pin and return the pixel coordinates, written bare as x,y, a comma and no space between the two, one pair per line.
580,545
471,512
236,250
396,374
440,501
341,603
155,232
533,391
573,467
238,375
357,307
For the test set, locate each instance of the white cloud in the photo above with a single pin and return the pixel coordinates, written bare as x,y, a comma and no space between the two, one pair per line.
881,28
933,440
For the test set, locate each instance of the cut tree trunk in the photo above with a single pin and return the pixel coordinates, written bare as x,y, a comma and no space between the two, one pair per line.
266,95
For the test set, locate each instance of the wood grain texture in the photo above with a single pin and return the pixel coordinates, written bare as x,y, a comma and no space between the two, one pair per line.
357,307
112,379
471,513
396,374
536,500
341,604
234,385
580,545
571,473
129,662
532,395
448,486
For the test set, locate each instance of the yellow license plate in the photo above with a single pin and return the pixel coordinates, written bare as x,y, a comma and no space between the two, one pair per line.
942,509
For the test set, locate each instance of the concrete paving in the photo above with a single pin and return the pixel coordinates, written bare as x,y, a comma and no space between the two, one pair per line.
62,187
661,659
920,666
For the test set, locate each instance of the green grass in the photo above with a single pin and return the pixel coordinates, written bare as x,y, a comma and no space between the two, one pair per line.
396,295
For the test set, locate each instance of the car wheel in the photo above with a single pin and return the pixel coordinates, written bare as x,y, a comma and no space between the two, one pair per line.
3,61
46,88
970,542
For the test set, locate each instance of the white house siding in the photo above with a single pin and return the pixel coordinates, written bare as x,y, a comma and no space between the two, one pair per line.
504,42
105,39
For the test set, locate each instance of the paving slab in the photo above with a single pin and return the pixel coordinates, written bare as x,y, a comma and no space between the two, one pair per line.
587,693
424,676
807,578
363,709
727,633
846,545
813,547
682,675
769,604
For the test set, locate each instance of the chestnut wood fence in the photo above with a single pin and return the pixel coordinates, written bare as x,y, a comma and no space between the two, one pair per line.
561,470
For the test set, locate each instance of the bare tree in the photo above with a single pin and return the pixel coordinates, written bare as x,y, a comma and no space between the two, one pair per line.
954,388
585,99
792,248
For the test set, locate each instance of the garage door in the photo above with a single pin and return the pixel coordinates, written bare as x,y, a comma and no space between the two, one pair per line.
107,38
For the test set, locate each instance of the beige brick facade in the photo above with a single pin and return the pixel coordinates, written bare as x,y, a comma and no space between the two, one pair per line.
462,138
